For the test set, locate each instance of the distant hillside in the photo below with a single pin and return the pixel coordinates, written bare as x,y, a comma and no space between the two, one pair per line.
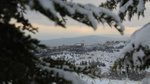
87,40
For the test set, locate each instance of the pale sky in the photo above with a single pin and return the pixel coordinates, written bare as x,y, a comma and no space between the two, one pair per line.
48,30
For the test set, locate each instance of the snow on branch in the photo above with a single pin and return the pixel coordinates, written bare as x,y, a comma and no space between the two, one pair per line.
141,7
88,14
67,66
136,54
127,6
63,74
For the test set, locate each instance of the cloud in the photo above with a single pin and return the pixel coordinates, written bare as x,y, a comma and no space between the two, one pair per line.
55,32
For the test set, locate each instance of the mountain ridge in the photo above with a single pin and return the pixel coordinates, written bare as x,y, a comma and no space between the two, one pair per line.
87,40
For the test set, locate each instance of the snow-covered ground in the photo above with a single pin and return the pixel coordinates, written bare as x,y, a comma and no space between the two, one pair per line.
108,57
108,81
104,57
100,56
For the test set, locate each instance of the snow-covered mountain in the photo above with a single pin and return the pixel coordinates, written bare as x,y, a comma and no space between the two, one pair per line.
87,40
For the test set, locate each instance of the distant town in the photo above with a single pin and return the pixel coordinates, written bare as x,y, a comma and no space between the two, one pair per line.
108,46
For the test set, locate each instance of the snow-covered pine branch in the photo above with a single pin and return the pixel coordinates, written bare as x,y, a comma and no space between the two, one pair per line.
136,54
88,14
67,66
127,6
63,74
61,69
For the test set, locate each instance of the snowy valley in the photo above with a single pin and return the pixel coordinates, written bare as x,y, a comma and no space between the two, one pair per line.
101,56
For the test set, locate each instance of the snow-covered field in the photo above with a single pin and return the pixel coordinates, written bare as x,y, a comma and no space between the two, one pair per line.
87,58
104,57
107,81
